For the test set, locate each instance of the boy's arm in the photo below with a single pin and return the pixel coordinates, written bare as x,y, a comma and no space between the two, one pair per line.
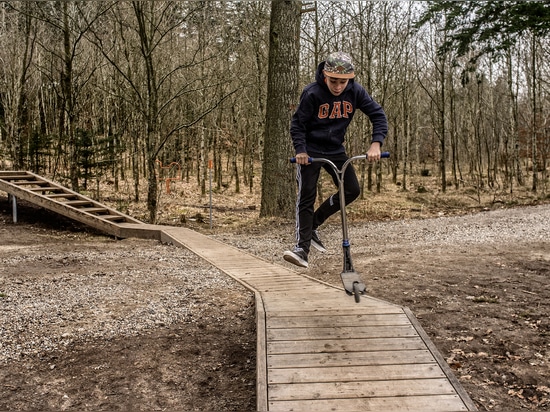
300,118
376,115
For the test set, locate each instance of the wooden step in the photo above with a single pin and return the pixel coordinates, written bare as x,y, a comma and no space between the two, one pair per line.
30,182
114,218
94,210
62,195
44,189
76,203
9,178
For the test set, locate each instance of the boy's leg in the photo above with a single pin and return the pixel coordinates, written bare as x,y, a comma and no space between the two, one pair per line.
332,205
306,177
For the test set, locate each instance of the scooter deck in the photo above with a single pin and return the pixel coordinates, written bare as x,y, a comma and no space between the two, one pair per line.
352,280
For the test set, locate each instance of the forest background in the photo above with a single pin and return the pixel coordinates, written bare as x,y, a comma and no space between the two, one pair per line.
156,92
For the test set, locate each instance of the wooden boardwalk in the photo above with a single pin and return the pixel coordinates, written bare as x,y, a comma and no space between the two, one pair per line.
317,349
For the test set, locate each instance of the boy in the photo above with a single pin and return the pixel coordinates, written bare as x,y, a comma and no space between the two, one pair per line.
317,129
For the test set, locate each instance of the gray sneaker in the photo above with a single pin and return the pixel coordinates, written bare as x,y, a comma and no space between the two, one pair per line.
316,241
296,256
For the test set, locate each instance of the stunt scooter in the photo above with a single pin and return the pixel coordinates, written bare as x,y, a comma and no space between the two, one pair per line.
351,280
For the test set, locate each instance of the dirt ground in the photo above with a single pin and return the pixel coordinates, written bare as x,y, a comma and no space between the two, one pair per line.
484,304
202,361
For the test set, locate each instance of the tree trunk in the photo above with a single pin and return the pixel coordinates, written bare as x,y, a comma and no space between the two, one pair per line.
278,194
534,103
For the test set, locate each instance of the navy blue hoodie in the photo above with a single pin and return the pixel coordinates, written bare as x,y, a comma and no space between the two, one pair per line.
321,119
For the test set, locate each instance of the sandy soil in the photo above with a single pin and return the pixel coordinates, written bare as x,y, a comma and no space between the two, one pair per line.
479,285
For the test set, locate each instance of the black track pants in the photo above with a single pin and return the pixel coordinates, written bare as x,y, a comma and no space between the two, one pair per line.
306,218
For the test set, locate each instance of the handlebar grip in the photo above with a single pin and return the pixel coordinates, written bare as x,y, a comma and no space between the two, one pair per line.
383,155
309,160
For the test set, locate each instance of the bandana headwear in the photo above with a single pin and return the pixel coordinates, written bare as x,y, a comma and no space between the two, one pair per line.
339,65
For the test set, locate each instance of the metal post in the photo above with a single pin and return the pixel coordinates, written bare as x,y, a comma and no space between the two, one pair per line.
14,208
210,169
343,200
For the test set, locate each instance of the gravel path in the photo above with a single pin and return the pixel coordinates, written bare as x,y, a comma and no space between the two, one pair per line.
50,297
491,227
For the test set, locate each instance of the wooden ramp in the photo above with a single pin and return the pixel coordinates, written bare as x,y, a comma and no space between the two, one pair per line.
52,196
317,350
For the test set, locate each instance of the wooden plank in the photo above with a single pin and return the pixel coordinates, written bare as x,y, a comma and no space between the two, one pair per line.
79,202
274,287
246,267
344,332
9,177
410,404
274,273
235,257
338,345
271,279
239,270
113,217
366,389
307,360
93,209
261,355
43,188
298,291
354,373
306,294
313,320
310,293
61,195
286,286
441,361
314,298
337,302
365,309
29,182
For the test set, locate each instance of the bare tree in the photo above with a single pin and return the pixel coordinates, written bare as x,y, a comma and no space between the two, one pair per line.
157,85
91,88
278,192
432,77
19,40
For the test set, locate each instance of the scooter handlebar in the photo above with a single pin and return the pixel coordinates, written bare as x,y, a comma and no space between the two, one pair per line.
383,155
309,160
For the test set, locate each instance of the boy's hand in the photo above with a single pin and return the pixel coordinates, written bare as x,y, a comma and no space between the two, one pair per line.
373,154
302,159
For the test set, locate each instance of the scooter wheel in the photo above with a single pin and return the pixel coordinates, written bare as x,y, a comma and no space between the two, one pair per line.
357,292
